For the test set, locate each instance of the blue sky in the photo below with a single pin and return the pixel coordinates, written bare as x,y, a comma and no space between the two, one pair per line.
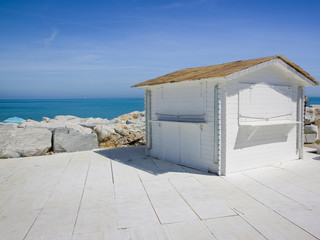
97,49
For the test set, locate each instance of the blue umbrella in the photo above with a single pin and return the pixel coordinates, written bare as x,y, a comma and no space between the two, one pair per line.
14,120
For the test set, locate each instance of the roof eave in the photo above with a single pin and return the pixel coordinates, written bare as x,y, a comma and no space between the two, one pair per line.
280,62
304,78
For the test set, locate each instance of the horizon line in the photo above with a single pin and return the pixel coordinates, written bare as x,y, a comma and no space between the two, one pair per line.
80,98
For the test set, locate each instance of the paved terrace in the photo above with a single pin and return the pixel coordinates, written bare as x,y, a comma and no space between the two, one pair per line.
121,194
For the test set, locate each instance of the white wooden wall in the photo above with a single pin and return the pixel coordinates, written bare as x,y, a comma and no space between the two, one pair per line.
195,97
269,144
207,134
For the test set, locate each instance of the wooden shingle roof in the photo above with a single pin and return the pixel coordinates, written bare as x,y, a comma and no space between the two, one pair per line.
220,70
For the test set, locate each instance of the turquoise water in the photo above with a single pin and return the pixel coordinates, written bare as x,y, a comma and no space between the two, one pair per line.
104,108
36,109
314,101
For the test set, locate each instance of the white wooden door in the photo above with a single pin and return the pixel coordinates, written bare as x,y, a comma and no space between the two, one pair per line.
170,142
189,144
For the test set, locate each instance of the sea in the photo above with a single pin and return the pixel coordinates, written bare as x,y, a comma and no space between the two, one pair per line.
36,109
104,107
313,101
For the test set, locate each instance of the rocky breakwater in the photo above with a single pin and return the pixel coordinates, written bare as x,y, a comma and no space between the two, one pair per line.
126,130
70,134
312,115
311,123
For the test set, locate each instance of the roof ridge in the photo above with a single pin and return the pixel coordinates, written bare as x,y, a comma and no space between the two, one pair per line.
219,70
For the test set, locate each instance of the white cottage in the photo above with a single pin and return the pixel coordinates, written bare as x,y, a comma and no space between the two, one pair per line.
229,117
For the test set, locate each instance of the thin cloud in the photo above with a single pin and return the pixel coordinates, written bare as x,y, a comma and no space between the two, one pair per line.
53,35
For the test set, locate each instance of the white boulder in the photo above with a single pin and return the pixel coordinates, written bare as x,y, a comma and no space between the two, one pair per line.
79,128
104,131
310,115
54,124
92,122
45,119
64,118
70,133
16,142
312,127
132,118
70,140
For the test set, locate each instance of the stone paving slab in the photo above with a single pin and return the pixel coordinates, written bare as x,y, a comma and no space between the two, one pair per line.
122,194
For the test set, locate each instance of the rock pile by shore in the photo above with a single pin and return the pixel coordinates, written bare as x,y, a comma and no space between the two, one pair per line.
311,124
312,115
70,134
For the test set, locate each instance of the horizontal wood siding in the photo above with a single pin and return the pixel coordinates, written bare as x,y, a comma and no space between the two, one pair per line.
185,98
181,99
269,144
